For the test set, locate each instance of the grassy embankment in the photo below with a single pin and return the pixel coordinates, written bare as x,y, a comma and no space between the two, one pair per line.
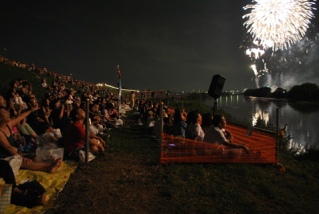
130,179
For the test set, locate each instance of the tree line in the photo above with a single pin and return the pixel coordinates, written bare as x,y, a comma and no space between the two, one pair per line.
305,91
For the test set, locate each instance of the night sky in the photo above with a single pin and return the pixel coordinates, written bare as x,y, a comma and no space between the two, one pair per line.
173,45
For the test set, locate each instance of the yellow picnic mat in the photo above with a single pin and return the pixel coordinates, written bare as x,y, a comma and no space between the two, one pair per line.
53,184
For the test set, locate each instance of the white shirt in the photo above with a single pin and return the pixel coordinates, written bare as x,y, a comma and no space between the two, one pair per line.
196,131
215,135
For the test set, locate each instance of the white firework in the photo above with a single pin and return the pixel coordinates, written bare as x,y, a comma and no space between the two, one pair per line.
279,23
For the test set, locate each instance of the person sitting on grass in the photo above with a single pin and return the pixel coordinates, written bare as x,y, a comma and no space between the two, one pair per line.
194,130
217,135
7,141
96,127
48,136
74,137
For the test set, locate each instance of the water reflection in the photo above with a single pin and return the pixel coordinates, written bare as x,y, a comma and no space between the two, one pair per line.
301,118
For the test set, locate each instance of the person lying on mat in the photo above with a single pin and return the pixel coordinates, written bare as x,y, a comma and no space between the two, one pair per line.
218,135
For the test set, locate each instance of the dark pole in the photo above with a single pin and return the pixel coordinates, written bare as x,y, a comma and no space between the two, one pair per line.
87,132
161,127
277,132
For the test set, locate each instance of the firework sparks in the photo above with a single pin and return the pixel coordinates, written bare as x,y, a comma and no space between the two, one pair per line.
278,24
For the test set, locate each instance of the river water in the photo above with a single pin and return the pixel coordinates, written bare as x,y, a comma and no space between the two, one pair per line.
302,118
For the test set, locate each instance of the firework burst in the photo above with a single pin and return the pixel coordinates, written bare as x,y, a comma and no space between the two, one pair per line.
279,24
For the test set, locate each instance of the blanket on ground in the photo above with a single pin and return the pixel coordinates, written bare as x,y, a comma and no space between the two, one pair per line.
53,184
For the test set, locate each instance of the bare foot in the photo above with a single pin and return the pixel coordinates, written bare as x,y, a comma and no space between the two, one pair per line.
56,165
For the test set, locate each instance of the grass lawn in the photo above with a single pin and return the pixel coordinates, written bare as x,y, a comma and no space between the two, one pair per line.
130,179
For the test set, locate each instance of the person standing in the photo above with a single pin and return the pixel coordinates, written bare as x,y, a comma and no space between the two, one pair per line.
132,99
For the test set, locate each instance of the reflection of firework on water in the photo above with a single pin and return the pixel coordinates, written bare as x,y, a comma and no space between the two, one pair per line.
276,41
279,23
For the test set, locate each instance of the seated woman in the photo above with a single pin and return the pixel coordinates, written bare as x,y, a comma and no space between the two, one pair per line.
7,141
22,129
58,115
96,126
74,136
217,134
194,130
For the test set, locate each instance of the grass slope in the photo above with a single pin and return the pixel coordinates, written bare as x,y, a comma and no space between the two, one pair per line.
131,180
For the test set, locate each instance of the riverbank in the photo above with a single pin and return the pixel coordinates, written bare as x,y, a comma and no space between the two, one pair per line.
129,179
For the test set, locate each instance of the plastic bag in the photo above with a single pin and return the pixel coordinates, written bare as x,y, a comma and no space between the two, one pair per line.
82,156
15,162
47,153
57,133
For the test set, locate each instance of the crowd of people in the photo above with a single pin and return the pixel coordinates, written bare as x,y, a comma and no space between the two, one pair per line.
57,120
29,122
193,125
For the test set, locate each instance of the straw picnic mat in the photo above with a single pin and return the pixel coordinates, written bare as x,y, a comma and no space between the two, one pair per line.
53,184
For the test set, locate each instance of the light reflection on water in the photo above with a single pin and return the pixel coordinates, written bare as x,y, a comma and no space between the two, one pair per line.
301,118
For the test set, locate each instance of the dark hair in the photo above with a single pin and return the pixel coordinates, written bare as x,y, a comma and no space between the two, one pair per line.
192,117
43,126
217,119
53,102
73,113
177,115
44,102
12,83
207,120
